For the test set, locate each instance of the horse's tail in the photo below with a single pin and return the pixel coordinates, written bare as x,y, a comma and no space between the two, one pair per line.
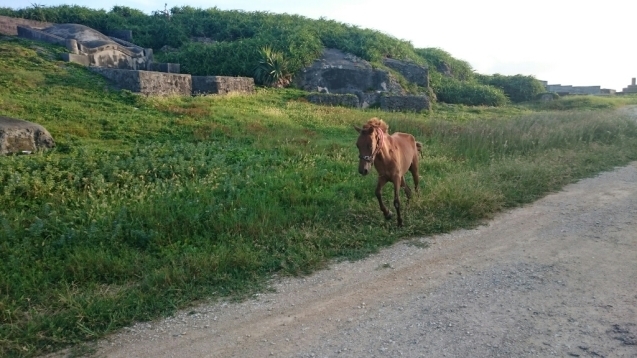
419,148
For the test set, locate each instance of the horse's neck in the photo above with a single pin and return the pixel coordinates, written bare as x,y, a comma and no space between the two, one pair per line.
385,153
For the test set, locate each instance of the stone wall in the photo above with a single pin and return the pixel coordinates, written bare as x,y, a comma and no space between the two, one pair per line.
411,71
9,25
165,67
404,103
222,84
327,99
147,82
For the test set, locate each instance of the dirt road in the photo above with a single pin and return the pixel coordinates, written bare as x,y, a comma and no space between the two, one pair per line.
555,278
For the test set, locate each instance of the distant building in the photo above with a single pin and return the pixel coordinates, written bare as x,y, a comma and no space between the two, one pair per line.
572,90
632,88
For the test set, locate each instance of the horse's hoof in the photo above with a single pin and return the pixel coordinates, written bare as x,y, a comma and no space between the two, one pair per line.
388,215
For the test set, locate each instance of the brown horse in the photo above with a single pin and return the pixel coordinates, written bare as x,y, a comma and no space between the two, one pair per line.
392,155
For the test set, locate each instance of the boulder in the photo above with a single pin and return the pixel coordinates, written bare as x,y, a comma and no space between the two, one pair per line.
18,136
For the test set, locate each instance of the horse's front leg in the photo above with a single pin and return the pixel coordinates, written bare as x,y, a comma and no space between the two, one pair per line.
397,184
379,188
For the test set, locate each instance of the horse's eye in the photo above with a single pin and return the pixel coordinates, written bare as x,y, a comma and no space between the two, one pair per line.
369,147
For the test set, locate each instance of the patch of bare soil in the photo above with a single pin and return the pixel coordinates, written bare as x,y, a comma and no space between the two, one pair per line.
555,278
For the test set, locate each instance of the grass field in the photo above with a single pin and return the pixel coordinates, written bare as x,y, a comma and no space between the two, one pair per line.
149,204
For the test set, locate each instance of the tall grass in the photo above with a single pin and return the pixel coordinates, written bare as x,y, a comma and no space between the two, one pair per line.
587,102
149,204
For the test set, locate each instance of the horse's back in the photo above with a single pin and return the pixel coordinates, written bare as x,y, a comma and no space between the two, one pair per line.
406,141
408,149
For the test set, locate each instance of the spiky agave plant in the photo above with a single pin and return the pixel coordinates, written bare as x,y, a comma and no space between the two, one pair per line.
272,69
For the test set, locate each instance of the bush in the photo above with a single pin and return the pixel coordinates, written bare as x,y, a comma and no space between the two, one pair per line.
551,95
518,88
437,59
450,90
579,102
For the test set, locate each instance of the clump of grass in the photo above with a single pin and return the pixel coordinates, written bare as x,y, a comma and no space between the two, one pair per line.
149,204
581,102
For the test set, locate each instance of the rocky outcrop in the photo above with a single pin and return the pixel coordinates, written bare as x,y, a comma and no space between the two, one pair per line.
412,72
338,72
18,136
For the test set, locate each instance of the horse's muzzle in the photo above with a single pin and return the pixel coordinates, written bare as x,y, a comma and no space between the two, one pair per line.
363,171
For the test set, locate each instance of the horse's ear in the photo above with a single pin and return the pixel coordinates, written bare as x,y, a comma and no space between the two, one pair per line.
358,129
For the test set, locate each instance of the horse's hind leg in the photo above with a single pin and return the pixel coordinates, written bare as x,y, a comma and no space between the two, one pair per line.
379,188
396,182
414,171
404,185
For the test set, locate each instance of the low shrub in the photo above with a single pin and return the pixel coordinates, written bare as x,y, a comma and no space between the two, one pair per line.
518,88
450,90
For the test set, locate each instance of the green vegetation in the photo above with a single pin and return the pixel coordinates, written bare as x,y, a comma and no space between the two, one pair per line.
582,101
149,204
450,90
518,88
272,69
240,37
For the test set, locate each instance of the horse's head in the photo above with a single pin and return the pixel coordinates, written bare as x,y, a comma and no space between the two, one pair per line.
368,144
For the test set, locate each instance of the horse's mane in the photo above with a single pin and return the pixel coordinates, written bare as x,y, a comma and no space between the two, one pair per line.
376,123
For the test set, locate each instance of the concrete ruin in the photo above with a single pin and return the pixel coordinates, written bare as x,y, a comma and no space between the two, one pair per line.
89,47
127,65
18,136
337,73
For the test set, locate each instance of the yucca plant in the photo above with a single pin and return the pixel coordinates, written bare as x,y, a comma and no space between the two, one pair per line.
272,69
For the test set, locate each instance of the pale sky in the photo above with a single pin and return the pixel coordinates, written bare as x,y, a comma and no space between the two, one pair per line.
568,42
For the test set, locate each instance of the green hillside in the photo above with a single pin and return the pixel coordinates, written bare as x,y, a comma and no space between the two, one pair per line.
240,36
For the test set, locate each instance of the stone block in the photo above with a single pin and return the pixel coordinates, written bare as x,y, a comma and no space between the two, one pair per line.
79,59
148,82
222,84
